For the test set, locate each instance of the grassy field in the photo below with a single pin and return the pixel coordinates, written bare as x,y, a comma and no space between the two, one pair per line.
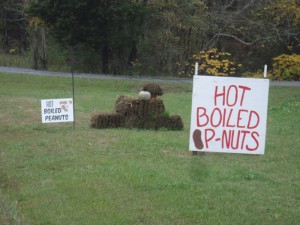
54,174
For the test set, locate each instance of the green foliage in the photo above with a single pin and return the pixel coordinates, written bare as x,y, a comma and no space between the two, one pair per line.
286,13
12,26
286,67
212,62
113,28
153,37
171,34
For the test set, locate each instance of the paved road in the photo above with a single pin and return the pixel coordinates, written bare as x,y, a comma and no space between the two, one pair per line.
115,77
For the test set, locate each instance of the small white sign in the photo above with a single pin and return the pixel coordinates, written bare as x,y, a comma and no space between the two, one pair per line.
57,110
229,115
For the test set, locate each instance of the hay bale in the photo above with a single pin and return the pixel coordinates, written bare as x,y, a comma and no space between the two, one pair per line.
123,105
107,120
134,122
169,122
129,107
139,113
156,107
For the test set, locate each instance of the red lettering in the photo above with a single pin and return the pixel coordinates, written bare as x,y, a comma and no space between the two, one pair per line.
253,134
235,95
226,137
212,117
224,118
243,94
228,120
203,114
244,132
233,139
221,94
208,137
237,139
231,96
239,118
249,126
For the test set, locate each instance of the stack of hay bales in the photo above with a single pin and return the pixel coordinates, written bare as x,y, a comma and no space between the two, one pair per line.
137,113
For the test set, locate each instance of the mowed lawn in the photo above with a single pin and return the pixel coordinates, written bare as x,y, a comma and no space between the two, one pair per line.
52,174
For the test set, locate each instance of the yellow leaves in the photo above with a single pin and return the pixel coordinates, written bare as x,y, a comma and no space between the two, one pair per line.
12,51
202,67
215,63
35,21
213,50
286,67
286,11
211,62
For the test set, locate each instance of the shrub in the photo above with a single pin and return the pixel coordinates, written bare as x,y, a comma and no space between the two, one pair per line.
286,67
212,62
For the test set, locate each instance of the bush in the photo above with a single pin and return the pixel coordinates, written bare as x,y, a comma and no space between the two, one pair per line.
212,62
286,67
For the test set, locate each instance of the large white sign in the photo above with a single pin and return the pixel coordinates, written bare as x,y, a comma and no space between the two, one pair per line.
229,115
57,110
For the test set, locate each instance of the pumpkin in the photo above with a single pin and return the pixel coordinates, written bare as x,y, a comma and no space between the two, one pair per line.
144,95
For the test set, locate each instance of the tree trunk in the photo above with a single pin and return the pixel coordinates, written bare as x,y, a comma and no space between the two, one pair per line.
105,56
43,58
132,56
5,31
35,48
188,44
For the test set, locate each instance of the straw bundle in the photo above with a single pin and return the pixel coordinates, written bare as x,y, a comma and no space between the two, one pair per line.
107,120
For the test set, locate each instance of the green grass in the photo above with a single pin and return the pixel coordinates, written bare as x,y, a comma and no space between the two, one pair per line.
53,174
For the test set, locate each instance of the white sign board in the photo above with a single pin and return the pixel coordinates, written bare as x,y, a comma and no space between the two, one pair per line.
57,110
229,115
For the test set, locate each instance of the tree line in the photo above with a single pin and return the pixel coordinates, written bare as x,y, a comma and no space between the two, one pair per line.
150,37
